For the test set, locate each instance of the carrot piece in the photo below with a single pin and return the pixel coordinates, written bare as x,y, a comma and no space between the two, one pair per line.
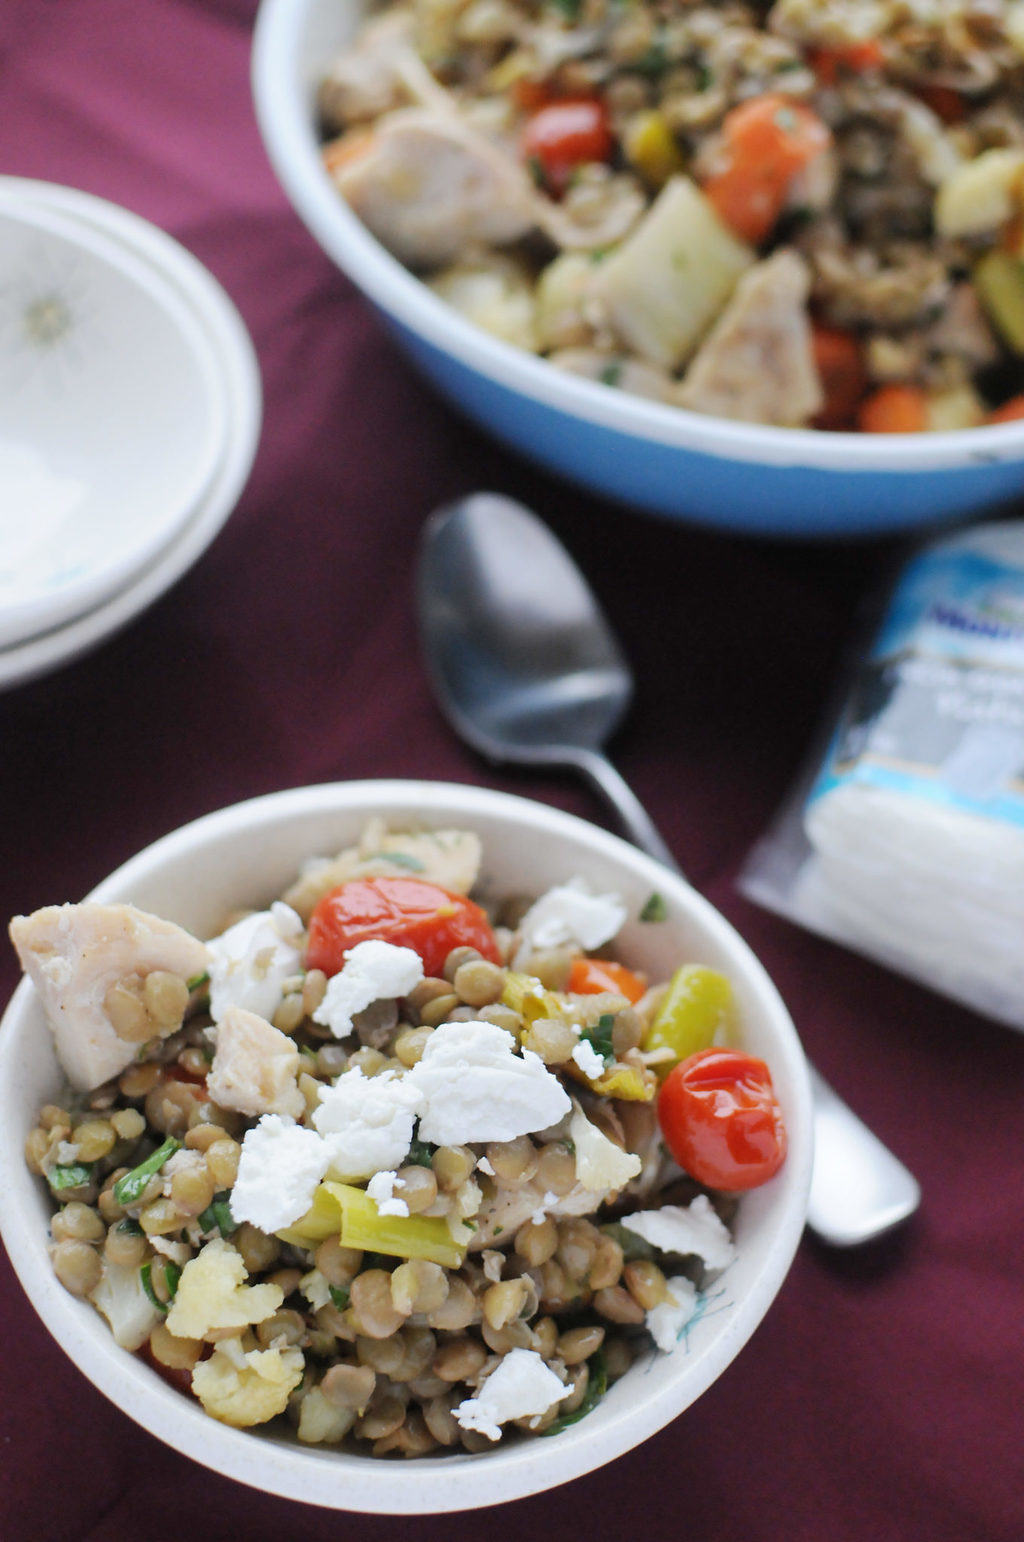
853,59
1009,412
765,143
894,409
840,363
591,976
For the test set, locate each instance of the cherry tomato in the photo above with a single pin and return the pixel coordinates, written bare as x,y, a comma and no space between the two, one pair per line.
591,976
408,912
721,1121
564,135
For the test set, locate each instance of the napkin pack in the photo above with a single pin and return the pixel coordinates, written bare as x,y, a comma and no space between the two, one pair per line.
905,837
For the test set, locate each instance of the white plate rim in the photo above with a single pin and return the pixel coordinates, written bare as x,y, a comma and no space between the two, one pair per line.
242,385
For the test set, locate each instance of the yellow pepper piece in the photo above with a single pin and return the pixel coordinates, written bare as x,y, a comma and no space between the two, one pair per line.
650,146
526,995
999,284
340,1209
625,1082
697,1006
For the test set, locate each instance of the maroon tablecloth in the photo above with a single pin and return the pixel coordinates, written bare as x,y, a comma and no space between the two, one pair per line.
882,1397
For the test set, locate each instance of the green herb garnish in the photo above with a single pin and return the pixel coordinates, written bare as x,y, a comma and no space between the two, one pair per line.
217,1215
612,373
600,1037
420,1153
72,1176
172,1274
654,909
653,62
129,1188
340,1295
130,1227
198,979
632,1245
570,9
597,1386
146,1276
399,858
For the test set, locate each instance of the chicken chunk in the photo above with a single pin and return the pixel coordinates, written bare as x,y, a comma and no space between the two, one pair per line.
502,1216
255,1067
757,364
77,955
428,186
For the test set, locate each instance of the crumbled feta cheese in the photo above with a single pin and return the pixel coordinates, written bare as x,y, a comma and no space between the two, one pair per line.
519,1387
693,1230
66,1153
381,1189
476,1088
570,913
600,1163
666,1321
316,1288
373,971
589,1061
483,1166
255,1067
368,1121
280,1165
493,1263
251,960
545,1207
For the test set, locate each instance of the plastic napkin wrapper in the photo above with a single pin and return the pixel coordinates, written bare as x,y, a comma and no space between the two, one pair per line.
904,838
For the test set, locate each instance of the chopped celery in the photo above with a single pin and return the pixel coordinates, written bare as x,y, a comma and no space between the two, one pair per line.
697,1004
129,1188
339,1209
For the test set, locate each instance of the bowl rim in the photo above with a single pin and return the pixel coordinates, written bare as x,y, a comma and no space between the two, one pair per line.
285,125
351,1482
115,568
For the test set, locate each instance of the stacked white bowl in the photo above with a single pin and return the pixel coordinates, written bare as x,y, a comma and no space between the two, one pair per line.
130,410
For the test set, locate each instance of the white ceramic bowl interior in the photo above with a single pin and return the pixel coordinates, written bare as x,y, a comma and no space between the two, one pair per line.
239,395
246,855
112,422
795,482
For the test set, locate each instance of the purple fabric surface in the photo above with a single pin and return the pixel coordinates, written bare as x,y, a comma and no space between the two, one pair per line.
880,1401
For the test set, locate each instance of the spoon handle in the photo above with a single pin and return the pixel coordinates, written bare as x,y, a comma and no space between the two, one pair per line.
859,1189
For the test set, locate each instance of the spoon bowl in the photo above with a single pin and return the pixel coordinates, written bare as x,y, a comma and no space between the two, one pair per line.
526,668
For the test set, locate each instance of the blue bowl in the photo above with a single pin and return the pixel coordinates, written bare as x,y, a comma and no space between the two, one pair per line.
736,476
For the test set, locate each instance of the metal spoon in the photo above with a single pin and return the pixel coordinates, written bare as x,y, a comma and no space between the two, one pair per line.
526,669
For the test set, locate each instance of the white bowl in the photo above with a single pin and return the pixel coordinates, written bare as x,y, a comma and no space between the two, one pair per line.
247,854
112,423
238,387
793,482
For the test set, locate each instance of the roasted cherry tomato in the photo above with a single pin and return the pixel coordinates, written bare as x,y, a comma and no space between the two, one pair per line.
721,1121
408,912
591,976
564,135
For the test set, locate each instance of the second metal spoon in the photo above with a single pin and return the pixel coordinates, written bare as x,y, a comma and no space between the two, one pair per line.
527,670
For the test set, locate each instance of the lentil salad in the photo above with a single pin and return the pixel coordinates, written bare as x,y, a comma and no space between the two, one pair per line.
382,1314
797,214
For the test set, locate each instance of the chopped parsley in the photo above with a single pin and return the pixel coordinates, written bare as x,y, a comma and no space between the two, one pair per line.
612,373
73,1175
172,1274
399,858
217,1215
129,1188
600,1037
654,909
597,1386
340,1295
198,979
420,1153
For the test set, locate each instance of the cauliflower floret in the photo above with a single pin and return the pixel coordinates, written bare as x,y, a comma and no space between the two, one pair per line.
247,1387
212,1294
123,1302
